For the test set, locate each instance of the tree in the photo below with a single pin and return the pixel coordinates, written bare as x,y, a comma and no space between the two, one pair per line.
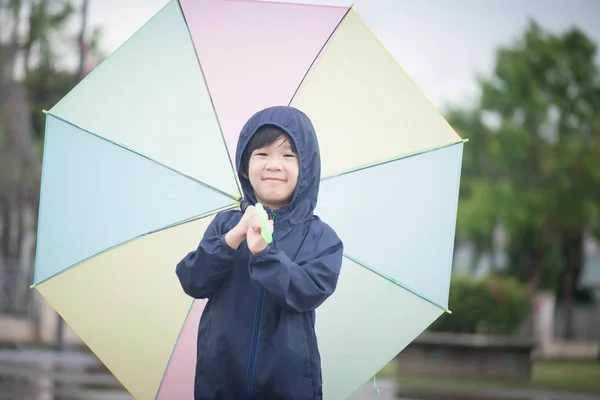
533,161
29,38
46,19
31,31
32,79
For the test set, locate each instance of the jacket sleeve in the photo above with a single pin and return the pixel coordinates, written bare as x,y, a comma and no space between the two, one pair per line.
305,284
201,271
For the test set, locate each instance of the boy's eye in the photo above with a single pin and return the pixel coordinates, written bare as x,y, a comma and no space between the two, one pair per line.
260,154
290,155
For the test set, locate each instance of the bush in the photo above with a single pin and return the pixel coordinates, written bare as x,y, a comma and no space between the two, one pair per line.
494,305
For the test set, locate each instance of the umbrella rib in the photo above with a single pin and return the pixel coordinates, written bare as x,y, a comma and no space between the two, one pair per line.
318,55
124,147
391,160
394,281
185,221
212,103
162,380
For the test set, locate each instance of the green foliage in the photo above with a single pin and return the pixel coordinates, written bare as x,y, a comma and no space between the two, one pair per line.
47,20
46,86
496,305
532,164
33,51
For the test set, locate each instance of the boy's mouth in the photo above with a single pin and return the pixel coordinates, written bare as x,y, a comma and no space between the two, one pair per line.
274,179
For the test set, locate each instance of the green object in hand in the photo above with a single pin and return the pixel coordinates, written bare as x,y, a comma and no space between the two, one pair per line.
264,224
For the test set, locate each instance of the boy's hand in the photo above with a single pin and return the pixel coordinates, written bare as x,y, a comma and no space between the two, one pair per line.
254,238
237,234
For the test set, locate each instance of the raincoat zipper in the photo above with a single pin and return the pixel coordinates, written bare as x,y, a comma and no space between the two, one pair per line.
260,297
251,344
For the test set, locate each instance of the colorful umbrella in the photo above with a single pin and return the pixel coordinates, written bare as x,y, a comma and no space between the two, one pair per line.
138,159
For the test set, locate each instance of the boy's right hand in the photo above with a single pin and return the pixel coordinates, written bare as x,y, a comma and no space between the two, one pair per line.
237,234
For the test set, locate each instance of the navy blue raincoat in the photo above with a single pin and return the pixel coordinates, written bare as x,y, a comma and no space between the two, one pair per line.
256,338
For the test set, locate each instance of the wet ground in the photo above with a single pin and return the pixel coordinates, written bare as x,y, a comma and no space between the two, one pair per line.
28,375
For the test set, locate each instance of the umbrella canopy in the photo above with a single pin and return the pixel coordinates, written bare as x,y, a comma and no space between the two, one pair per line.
138,160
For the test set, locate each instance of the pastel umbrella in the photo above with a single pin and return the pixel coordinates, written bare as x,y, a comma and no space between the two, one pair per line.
138,160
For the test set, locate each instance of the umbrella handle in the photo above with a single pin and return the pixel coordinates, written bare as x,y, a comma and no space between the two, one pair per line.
264,224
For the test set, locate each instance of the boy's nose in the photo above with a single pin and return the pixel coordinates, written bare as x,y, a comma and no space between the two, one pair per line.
273,165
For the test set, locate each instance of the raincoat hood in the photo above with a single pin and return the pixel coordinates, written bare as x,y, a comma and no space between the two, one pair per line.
299,127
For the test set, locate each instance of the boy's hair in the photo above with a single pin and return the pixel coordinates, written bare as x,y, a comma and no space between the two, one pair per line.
264,136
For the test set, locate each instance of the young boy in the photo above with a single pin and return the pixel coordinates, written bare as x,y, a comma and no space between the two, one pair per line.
256,338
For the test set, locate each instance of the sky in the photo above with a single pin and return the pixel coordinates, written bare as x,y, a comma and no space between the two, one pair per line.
441,44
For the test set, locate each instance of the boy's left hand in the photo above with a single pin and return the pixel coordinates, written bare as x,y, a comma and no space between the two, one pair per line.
254,238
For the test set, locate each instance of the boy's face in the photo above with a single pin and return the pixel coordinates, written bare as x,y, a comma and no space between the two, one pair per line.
273,173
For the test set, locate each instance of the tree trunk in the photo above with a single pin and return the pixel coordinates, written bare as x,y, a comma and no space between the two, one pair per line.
572,250
528,256
6,224
534,269
9,58
82,42
20,207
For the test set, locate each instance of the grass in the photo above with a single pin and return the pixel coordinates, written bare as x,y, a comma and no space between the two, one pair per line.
575,377
568,376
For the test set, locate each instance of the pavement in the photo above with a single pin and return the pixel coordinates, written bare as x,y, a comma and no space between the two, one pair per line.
19,368
388,390
447,393
391,390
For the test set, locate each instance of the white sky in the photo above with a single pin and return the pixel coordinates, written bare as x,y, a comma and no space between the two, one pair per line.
441,44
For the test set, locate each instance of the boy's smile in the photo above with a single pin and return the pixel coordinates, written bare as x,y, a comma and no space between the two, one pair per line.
273,173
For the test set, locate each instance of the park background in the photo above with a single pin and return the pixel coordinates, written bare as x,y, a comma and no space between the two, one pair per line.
520,80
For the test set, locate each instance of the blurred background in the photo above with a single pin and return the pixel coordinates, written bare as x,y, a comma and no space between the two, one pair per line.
520,80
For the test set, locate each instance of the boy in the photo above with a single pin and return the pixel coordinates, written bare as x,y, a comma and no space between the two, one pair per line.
256,338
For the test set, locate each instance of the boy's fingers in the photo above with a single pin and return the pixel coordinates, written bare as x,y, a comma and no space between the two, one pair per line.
254,223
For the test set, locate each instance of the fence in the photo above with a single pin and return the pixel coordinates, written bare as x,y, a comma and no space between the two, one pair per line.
586,323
